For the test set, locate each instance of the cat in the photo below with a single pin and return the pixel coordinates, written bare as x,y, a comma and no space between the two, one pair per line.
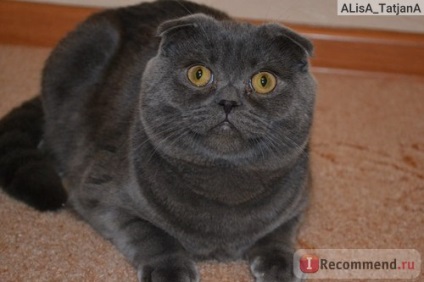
177,133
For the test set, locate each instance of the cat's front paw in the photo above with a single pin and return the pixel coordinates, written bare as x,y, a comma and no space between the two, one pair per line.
170,269
273,267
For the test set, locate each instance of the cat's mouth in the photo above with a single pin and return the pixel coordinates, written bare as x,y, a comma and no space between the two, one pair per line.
225,127
226,138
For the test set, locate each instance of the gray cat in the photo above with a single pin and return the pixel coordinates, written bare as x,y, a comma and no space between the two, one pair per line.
178,134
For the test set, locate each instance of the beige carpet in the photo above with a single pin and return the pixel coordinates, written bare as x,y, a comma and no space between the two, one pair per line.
368,168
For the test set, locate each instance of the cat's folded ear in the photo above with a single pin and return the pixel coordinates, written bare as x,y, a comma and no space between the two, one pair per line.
187,22
279,31
175,32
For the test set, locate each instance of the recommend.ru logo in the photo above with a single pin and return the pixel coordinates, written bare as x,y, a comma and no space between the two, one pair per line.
357,263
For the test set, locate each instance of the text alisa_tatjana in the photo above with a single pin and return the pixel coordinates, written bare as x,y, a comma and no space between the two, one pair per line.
379,8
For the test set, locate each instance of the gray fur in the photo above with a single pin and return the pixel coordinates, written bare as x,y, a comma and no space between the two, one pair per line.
144,158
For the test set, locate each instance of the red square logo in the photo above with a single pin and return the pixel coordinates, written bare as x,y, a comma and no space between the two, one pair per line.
309,264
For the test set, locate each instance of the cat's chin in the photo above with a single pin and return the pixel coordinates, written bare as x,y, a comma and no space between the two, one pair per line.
225,140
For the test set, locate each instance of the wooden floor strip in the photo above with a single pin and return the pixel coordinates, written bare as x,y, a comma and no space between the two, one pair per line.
37,24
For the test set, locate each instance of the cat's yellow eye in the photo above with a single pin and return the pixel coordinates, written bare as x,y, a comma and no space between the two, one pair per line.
264,82
199,75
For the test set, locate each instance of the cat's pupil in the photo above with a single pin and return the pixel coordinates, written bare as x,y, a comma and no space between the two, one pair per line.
199,74
264,81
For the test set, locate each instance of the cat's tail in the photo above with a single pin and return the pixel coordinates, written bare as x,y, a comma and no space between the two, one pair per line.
26,173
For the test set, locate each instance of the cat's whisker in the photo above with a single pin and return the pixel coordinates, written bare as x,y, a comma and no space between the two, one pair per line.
258,144
289,142
169,129
270,146
155,150
185,132
176,135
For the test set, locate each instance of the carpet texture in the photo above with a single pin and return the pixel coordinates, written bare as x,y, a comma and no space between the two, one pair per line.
368,187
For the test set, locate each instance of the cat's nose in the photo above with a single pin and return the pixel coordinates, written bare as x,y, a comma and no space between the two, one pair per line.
228,105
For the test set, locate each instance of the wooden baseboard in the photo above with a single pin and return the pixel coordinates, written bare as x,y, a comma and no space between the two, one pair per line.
35,24
352,49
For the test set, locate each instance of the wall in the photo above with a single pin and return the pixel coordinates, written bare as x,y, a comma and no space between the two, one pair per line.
310,12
